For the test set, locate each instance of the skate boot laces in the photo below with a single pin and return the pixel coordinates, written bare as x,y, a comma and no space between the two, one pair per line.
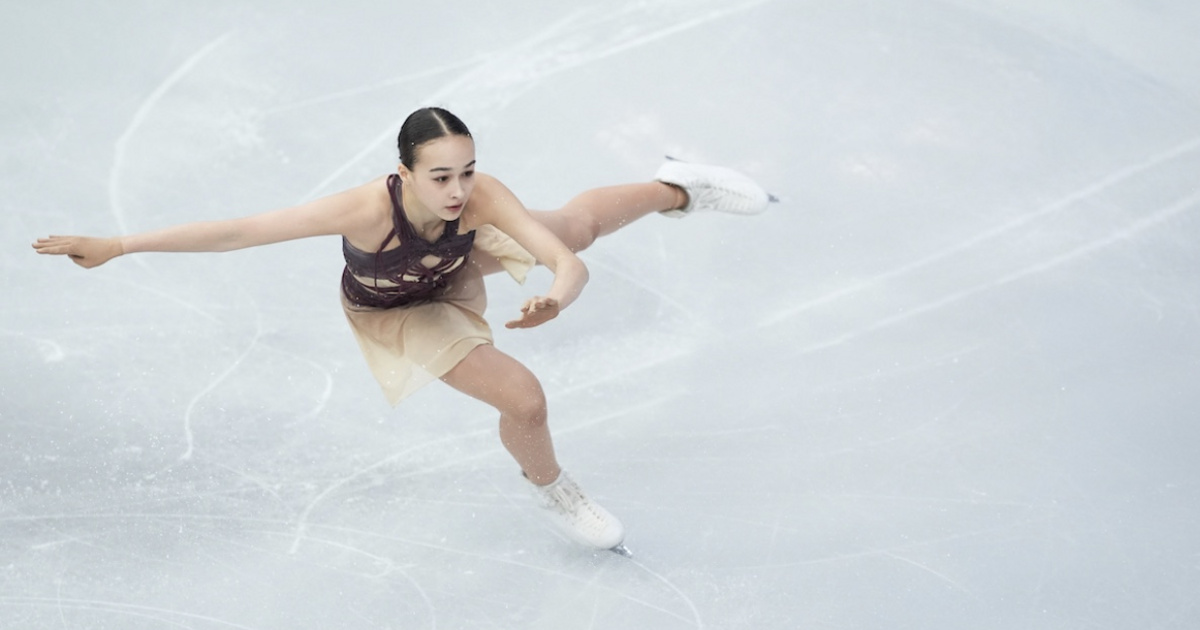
577,516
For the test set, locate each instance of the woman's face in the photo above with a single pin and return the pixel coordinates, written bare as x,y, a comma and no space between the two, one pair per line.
443,175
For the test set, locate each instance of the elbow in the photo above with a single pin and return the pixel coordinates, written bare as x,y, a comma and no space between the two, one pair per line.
582,274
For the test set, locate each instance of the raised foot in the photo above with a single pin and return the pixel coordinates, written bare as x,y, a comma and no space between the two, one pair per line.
713,188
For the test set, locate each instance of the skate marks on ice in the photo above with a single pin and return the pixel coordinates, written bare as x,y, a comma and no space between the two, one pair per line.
1075,200
114,609
482,446
576,586
583,37
188,435
372,556
298,496
143,111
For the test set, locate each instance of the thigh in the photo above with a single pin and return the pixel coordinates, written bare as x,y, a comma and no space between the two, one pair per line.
491,376
571,224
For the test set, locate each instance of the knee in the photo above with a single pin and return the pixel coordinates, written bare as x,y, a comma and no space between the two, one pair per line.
579,225
526,402
583,233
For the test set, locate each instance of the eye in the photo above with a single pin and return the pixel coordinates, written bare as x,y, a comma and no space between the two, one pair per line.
469,174
442,180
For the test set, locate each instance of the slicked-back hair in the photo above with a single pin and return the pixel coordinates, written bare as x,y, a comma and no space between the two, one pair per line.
424,125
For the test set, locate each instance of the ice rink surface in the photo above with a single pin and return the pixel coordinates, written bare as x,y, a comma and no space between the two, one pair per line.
949,381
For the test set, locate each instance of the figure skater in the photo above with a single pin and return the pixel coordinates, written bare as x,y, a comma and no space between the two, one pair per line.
417,244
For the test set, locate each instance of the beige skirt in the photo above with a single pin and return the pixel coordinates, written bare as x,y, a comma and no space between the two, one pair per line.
408,347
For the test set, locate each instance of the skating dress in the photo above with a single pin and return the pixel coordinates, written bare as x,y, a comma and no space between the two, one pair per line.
416,308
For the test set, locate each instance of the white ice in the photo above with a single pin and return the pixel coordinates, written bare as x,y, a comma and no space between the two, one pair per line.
949,381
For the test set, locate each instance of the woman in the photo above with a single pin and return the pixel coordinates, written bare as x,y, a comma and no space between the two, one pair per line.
417,244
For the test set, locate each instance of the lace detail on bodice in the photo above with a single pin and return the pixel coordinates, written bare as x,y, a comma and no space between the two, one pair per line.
415,271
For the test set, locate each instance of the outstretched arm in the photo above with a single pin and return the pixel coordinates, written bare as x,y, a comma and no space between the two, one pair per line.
494,203
336,214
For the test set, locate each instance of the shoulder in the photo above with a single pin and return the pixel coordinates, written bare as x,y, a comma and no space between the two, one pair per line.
372,193
488,189
365,212
490,201
367,202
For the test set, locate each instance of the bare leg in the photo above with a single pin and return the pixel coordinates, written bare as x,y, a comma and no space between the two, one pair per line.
601,211
501,381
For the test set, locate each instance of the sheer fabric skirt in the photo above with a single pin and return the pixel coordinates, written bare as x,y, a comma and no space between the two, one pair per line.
408,347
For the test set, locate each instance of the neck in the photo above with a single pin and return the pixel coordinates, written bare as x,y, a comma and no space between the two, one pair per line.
425,222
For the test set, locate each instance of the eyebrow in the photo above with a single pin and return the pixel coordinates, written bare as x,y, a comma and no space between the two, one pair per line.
447,168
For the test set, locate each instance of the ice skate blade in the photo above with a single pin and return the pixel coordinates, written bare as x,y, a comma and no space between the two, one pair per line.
621,550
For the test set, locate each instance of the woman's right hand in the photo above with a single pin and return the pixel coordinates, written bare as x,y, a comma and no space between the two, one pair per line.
84,251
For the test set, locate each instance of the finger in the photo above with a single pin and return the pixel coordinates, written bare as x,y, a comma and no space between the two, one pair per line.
518,322
52,245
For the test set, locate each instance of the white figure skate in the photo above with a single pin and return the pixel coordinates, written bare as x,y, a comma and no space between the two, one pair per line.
714,188
578,517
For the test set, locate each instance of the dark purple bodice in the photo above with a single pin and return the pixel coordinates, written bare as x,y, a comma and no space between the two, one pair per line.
391,278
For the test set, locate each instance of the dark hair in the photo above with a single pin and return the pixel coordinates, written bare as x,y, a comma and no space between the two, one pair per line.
424,125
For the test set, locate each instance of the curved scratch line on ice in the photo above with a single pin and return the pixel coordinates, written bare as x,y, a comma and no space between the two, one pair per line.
386,83
629,370
51,350
1060,204
187,414
387,563
545,35
435,97
174,516
631,279
260,483
945,578
625,411
491,452
326,394
302,521
661,33
114,176
117,607
389,567
166,296
687,600
502,560
1119,235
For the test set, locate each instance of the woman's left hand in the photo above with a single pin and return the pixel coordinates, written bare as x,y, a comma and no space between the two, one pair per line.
537,310
85,251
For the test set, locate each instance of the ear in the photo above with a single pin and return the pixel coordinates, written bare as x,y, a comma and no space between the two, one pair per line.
405,174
